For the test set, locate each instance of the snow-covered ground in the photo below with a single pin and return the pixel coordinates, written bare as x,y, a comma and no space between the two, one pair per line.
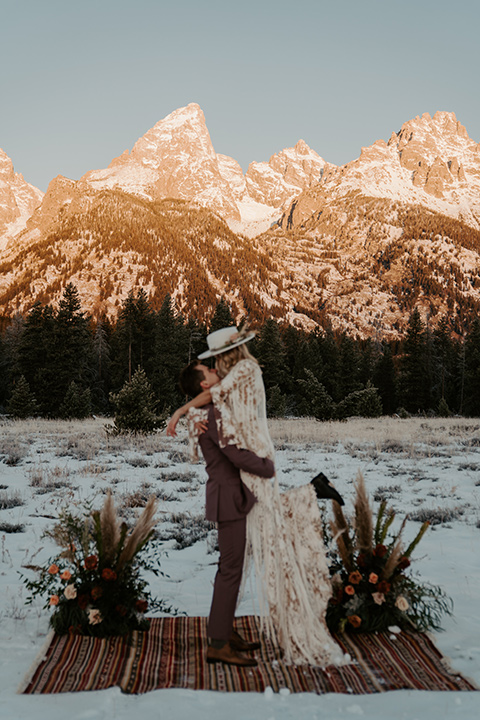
418,464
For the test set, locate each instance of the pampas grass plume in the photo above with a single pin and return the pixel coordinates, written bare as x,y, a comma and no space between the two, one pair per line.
140,533
363,516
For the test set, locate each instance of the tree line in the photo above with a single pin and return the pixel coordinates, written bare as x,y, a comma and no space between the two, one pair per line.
61,363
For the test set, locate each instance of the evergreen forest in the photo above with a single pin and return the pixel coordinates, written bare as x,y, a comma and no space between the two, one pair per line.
61,363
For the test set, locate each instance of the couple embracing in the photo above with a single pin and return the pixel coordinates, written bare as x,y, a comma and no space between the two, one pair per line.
280,534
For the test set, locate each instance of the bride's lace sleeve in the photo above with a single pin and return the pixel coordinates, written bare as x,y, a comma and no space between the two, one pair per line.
240,401
194,416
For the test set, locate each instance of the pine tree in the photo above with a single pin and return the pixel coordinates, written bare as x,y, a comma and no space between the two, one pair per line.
414,380
444,367
135,407
276,402
12,341
77,403
72,361
348,367
384,380
3,374
360,403
315,400
222,317
270,353
472,371
101,364
133,342
22,402
326,357
37,354
172,348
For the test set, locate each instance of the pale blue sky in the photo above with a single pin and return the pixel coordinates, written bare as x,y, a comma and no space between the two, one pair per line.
81,81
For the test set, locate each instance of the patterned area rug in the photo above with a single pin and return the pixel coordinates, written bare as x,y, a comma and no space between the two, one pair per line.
172,655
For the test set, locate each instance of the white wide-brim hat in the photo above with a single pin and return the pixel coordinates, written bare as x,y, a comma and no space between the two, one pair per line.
225,339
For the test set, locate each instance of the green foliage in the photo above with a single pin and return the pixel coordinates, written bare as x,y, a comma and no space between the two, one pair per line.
76,404
443,410
320,374
135,407
471,370
315,400
276,402
363,403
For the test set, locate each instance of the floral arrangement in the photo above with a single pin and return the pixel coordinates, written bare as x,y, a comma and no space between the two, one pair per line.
373,588
94,585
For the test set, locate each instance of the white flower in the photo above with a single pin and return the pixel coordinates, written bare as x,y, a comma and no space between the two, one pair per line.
378,598
70,592
402,603
94,616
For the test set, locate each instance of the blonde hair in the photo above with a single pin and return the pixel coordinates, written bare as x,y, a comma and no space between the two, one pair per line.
227,360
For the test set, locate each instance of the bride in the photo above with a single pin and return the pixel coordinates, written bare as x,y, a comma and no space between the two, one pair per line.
284,531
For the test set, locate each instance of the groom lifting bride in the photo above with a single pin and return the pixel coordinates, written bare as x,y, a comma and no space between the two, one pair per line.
280,534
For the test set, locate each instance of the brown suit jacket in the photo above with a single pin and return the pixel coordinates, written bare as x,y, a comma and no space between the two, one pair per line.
228,498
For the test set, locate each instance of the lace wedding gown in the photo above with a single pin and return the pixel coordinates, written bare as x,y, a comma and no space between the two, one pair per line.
284,531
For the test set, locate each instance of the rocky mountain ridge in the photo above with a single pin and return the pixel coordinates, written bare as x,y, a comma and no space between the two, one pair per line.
355,247
176,159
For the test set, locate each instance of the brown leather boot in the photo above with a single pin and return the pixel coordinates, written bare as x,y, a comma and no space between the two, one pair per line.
228,656
241,645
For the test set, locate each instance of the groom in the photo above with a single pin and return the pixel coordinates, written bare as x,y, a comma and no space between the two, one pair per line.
228,502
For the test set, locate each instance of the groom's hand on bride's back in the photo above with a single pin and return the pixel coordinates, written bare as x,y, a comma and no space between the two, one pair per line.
201,426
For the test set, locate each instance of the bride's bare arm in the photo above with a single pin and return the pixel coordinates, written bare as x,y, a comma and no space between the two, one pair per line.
204,398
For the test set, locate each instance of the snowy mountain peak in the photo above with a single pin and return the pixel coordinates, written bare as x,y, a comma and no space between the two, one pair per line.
184,130
6,166
430,162
18,200
176,158
285,175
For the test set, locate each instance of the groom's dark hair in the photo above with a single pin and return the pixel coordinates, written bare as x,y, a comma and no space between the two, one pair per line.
190,379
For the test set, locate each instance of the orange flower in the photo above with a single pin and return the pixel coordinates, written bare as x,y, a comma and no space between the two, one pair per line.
97,592
66,575
53,569
380,551
91,562
350,590
373,578
141,605
354,620
355,577
83,601
54,600
361,560
109,574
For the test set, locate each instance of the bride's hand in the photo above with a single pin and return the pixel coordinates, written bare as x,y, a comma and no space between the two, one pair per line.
172,424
